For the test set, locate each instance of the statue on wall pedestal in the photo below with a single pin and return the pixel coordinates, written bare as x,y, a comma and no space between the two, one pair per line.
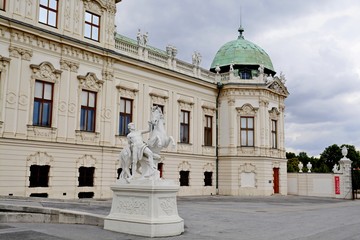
142,157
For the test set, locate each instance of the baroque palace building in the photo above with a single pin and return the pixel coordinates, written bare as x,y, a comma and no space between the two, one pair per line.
69,85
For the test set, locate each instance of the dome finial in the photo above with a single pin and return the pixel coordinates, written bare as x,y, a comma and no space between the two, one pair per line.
241,29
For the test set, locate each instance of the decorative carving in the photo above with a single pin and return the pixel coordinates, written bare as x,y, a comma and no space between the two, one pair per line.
90,82
69,65
126,92
86,160
46,72
62,106
247,109
16,52
209,167
71,107
168,205
185,105
40,158
278,87
247,167
23,99
108,75
274,113
87,136
106,113
11,98
184,166
93,6
132,206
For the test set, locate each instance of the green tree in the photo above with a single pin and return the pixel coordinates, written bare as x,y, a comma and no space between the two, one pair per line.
331,156
292,165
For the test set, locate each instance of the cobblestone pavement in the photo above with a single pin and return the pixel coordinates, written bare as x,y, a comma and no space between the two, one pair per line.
211,217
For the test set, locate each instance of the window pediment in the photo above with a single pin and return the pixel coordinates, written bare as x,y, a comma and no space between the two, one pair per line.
45,72
90,82
247,109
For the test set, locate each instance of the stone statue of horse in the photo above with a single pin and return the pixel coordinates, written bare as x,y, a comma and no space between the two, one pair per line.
158,139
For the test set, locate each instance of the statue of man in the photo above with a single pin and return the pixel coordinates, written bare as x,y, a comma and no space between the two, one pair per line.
139,149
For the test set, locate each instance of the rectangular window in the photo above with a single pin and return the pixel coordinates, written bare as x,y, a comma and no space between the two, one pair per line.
39,176
2,5
208,131
48,12
88,111
92,26
273,133
184,178
125,115
208,178
86,176
247,131
184,126
43,102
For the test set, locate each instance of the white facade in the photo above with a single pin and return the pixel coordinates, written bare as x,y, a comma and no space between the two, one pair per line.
115,68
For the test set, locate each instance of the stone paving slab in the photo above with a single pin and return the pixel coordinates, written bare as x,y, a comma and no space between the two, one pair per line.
218,217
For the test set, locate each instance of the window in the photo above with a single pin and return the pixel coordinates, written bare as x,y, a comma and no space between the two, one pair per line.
208,178
247,131
43,104
273,133
184,126
86,176
160,169
208,131
39,176
48,12
2,5
92,26
125,115
88,110
245,74
184,178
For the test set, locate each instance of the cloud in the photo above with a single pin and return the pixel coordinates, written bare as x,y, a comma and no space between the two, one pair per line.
316,44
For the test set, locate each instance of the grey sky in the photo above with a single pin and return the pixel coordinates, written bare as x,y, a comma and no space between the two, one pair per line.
316,44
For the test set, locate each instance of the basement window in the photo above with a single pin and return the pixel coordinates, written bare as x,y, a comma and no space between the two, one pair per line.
184,178
86,176
39,176
208,178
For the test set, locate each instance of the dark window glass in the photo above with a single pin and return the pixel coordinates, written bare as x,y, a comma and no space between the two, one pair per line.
245,74
92,26
208,131
86,176
160,168
208,178
88,110
125,115
43,104
39,176
184,178
273,133
247,131
48,12
184,126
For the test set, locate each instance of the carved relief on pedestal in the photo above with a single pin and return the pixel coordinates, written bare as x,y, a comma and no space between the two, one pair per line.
131,206
168,205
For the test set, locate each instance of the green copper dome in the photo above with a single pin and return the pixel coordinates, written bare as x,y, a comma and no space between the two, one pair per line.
241,52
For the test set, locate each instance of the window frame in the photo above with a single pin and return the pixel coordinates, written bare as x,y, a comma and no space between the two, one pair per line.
208,181
92,26
84,123
248,130
208,130
123,130
48,9
85,173
37,175
184,182
43,101
184,126
274,131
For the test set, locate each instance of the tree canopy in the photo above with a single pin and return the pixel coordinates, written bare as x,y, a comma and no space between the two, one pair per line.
328,158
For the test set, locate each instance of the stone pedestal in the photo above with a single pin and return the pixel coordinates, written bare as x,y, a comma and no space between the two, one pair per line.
145,208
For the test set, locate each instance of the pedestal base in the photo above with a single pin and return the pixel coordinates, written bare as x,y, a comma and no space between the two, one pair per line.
145,208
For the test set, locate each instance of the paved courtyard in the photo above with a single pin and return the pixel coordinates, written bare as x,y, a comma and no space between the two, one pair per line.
212,217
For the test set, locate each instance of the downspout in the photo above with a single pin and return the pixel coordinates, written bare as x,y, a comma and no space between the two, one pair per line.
219,87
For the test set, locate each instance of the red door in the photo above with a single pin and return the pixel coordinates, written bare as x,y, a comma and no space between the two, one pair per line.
276,180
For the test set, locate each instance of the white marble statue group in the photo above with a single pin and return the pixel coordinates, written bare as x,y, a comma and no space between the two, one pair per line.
142,157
